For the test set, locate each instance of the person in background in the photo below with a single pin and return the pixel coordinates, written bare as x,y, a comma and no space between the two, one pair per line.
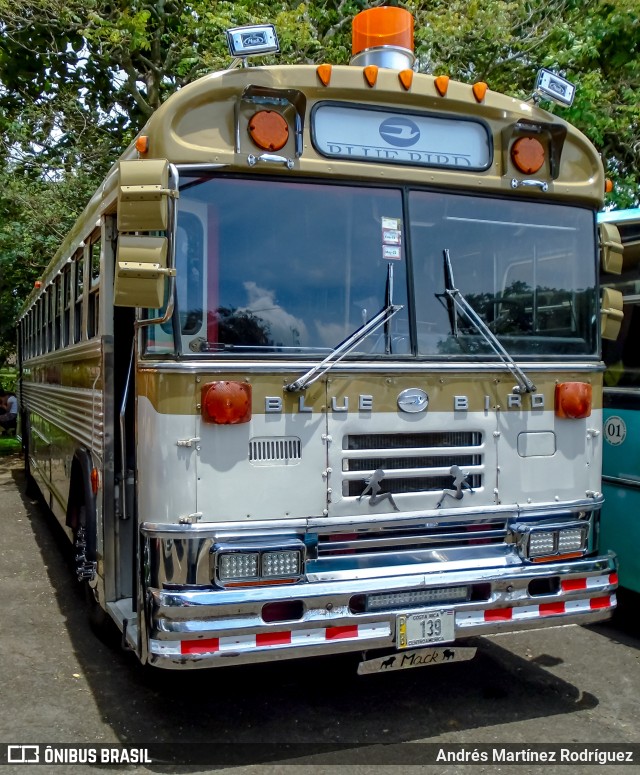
8,410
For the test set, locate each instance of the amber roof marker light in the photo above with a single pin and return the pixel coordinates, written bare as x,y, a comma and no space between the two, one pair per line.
383,37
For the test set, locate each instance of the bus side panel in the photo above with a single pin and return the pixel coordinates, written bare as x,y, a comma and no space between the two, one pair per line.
620,531
166,472
620,521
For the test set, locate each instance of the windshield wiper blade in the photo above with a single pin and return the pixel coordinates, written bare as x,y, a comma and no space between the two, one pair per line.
457,300
345,347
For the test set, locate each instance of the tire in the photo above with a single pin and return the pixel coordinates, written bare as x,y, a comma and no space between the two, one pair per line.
31,489
84,546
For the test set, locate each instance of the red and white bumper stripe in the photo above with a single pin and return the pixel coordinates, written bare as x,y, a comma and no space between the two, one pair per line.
541,611
593,582
267,640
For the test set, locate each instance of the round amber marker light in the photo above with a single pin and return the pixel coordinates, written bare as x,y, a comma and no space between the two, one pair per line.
268,130
527,154
226,403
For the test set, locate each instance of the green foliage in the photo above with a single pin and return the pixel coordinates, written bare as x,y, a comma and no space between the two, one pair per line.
78,78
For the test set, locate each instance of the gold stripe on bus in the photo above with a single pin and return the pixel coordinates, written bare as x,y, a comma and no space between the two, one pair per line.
181,393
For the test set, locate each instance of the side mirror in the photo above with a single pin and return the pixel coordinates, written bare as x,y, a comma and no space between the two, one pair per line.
143,260
141,269
611,249
143,195
611,314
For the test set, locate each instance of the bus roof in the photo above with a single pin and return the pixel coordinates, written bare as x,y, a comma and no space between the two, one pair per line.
620,216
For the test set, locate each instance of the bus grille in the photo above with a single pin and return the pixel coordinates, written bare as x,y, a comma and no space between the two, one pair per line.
412,462
490,531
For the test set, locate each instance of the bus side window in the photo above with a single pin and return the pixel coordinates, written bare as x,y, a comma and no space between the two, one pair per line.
57,334
189,257
94,290
39,327
46,324
66,303
79,292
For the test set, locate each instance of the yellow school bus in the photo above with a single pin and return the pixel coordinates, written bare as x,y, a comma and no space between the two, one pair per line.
317,369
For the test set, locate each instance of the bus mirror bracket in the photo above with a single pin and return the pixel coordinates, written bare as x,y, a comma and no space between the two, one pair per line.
611,249
611,313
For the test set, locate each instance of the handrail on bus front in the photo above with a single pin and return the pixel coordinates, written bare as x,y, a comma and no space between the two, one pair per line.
123,441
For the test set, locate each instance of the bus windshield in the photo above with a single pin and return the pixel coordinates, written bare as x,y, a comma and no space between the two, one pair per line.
275,268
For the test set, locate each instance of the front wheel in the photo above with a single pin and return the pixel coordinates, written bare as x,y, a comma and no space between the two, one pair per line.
84,544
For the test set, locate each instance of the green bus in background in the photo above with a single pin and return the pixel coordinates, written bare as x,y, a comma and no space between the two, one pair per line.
620,524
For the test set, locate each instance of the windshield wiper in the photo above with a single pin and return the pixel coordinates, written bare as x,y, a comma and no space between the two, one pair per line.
345,347
455,300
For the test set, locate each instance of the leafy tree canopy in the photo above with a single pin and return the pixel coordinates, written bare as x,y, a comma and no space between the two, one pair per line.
78,78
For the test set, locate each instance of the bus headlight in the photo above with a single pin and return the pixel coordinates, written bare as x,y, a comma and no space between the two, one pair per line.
542,542
547,543
281,564
255,562
238,565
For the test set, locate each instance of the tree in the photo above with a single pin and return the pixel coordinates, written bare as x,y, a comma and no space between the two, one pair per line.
78,78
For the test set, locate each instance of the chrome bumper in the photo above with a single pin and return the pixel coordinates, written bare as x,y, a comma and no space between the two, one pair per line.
189,627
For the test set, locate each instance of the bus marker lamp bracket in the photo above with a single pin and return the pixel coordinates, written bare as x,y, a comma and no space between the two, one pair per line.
551,86
251,40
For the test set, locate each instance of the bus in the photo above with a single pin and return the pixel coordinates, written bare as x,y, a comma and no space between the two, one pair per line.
620,527
317,369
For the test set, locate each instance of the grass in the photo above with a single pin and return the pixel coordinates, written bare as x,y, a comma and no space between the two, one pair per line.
9,445
8,376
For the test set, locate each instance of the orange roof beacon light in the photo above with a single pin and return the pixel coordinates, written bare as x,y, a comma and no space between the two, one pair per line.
384,37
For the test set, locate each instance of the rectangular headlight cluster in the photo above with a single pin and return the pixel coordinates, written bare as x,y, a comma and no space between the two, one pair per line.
550,542
252,563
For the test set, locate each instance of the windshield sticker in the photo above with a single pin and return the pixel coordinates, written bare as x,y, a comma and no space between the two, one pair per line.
391,238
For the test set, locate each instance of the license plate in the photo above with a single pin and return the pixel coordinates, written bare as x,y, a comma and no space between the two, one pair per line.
421,629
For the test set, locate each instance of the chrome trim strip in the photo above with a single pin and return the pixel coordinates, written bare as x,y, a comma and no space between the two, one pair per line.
76,411
374,367
621,482
188,604
75,352
325,525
